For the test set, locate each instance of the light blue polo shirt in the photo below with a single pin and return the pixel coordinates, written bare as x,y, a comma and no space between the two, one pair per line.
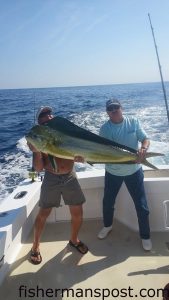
128,133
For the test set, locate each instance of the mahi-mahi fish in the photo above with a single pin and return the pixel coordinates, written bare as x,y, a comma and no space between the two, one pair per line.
62,138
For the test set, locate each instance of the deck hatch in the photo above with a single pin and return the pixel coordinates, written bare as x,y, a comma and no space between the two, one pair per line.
3,214
20,195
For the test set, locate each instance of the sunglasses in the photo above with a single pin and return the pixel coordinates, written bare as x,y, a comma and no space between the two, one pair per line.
113,107
44,114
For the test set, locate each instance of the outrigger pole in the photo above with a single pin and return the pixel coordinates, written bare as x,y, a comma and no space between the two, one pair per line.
161,75
32,172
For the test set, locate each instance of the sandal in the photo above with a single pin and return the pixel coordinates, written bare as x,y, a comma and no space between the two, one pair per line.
80,246
37,255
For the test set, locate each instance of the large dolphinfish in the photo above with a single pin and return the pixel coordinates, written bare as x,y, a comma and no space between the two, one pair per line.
61,138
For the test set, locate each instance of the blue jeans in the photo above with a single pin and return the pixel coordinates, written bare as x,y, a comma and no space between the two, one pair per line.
135,186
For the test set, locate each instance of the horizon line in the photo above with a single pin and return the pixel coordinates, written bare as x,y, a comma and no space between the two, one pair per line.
75,86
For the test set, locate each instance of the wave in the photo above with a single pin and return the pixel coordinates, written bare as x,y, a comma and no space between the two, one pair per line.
14,168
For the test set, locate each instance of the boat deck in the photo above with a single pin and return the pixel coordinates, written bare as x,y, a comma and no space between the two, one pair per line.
114,268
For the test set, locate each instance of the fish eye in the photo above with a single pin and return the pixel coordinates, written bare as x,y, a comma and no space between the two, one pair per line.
34,135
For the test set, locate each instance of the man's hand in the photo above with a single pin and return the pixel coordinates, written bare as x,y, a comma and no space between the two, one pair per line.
78,158
141,154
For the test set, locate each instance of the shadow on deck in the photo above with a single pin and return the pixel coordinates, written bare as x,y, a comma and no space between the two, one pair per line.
111,265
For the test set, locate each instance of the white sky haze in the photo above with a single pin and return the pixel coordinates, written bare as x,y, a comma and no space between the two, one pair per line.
50,43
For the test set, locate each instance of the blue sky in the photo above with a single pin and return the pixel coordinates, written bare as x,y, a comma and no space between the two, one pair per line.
49,43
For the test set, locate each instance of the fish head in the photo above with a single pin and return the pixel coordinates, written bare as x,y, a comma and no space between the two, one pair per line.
38,136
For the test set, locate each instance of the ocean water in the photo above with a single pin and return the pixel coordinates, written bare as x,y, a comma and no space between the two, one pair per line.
85,106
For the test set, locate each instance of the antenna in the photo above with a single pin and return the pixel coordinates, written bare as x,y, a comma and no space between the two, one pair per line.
159,65
34,103
32,173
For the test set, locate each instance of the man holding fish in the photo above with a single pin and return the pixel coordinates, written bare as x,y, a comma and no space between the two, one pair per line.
59,180
126,131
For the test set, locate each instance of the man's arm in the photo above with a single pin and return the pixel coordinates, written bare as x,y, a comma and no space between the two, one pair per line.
145,144
143,150
37,161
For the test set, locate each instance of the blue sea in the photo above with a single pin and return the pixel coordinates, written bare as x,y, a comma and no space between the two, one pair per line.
85,106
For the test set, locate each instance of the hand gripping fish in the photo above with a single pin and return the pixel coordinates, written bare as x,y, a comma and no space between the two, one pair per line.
61,138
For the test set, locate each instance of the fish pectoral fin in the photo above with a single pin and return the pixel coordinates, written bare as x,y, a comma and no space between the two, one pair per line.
52,162
153,154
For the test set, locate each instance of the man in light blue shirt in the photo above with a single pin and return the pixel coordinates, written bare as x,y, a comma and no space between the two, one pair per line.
126,131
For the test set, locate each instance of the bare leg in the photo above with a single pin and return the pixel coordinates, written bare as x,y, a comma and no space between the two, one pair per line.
38,228
76,212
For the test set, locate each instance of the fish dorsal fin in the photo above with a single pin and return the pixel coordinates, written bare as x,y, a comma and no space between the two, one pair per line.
67,127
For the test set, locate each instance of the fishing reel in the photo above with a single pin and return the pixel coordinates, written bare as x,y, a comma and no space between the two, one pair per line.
32,174
35,175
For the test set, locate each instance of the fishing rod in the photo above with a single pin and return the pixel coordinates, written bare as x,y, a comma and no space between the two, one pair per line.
159,65
32,172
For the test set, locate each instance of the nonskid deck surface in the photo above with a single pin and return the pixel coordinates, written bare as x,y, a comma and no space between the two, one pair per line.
114,268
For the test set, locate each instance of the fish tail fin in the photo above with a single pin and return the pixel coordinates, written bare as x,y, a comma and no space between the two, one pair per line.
148,164
152,154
